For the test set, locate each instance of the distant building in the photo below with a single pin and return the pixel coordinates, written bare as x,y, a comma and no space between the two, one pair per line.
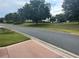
47,20
28,21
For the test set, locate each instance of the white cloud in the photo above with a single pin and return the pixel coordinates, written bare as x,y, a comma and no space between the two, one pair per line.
8,6
56,7
22,2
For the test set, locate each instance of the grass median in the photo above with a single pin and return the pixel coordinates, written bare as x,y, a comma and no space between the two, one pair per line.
8,37
65,27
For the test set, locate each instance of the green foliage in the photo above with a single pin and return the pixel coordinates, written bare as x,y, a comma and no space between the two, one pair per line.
52,19
36,10
1,20
11,17
71,9
60,18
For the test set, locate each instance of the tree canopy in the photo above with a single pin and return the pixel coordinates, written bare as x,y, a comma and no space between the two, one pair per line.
71,8
52,19
1,20
12,17
60,18
36,10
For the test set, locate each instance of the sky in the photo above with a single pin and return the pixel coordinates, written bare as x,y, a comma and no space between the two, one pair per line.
10,6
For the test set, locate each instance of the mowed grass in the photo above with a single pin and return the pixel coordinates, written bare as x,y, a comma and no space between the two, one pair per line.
8,37
66,27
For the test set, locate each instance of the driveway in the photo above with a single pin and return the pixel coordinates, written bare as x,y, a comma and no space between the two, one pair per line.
60,39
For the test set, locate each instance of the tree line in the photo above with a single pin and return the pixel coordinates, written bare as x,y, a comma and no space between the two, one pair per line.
38,10
71,11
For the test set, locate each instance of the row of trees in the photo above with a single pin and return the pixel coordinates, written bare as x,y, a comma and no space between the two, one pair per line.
71,11
38,10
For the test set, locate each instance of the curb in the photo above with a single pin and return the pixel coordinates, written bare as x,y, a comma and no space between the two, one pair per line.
56,49
53,48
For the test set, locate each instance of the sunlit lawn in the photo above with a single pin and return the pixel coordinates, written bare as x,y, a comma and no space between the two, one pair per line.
8,37
66,27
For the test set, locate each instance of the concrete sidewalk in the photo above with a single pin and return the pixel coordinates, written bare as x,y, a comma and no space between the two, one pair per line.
27,49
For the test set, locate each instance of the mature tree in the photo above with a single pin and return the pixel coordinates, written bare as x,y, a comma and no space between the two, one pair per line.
25,12
12,18
71,9
1,20
8,18
36,10
52,19
60,18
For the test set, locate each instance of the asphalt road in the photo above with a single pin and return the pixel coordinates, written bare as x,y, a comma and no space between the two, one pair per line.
60,39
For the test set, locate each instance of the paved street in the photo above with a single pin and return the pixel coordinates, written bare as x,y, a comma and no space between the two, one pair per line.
59,39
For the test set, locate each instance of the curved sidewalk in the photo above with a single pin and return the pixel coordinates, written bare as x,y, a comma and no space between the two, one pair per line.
27,49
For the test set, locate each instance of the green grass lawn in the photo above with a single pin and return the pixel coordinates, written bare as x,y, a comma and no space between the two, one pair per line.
66,27
8,37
